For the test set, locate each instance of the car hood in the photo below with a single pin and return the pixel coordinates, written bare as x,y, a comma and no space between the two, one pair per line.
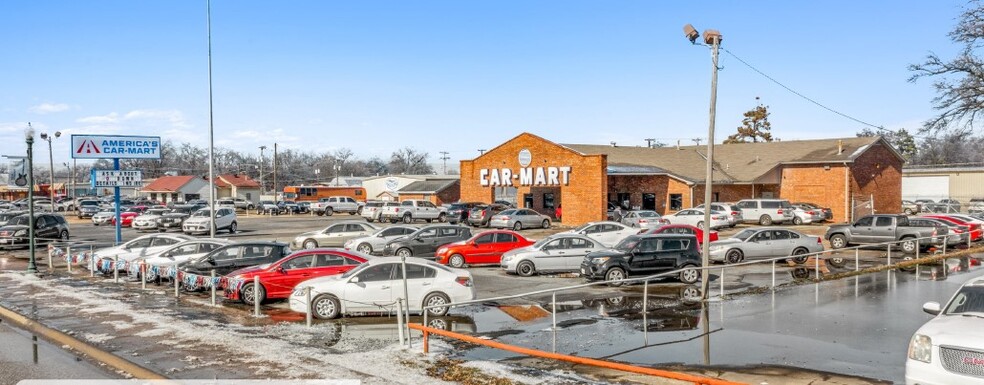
193,221
519,251
308,234
726,242
604,253
453,244
13,228
174,215
109,251
249,270
955,330
321,282
148,216
398,239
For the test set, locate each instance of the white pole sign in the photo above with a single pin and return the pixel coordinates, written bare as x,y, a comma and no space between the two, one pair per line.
116,178
117,146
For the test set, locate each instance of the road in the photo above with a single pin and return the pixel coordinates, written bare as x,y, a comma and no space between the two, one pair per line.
21,358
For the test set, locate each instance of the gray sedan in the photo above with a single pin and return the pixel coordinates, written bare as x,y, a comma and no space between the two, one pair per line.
553,254
643,219
761,242
518,219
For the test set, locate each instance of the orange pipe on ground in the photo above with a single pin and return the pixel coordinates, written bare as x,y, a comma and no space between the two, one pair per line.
568,358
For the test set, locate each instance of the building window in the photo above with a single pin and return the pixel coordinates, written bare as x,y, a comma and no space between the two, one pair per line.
715,197
249,196
676,202
624,200
648,201
548,201
527,201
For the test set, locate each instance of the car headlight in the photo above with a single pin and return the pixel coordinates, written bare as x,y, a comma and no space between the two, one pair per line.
921,348
715,247
507,258
298,292
20,233
598,261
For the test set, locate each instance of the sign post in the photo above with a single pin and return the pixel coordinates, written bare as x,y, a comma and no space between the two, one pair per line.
116,147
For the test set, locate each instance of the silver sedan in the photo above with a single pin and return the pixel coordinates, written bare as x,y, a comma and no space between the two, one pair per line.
643,219
518,219
762,242
553,254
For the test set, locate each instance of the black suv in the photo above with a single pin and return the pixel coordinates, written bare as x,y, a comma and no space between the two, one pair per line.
458,212
645,255
47,228
423,243
227,259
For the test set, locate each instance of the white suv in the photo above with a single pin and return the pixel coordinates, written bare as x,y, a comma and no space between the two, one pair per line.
200,221
949,349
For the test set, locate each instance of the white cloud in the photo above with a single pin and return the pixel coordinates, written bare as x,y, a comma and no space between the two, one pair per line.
112,117
174,117
48,108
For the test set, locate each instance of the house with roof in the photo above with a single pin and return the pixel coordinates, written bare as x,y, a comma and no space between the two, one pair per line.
387,187
236,186
437,191
585,178
177,188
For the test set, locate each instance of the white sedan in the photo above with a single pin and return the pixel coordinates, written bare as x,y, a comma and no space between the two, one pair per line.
695,218
142,246
607,233
374,286
148,220
174,255
375,243
949,349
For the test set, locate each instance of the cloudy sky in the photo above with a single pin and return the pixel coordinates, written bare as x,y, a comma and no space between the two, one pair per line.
456,76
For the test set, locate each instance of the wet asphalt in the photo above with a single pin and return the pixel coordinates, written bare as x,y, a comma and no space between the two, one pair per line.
25,356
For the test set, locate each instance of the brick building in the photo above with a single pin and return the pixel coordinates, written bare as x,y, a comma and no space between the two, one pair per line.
438,192
539,174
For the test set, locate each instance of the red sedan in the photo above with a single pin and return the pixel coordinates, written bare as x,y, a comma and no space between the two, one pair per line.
976,233
278,279
682,229
126,218
484,248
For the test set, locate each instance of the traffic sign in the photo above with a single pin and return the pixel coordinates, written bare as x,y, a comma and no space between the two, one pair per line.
116,178
116,146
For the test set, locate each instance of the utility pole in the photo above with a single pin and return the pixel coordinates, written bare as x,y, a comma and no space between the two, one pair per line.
262,187
445,158
713,38
649,142
274,173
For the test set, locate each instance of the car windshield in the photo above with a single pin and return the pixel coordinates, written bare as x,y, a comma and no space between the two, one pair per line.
970,299
648,214
89,203
21,220
539,244
627,244
355,270
508,212
744,234
582,227
202,214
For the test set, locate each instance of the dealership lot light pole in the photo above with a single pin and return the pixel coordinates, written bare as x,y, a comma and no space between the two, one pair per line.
713,38
51,162
32,267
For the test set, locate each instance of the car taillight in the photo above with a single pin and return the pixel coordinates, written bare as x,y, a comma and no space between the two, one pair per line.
809,213
779,212
641,221
734,213
818,241
464,281
396,210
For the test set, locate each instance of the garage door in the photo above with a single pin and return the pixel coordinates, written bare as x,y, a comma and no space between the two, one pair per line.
925,187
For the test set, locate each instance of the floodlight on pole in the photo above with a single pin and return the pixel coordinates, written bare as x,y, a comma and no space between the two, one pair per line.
32,267
51,162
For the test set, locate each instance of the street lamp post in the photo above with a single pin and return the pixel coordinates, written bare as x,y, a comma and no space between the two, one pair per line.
32,267
713,38
261,171
51,162
338,170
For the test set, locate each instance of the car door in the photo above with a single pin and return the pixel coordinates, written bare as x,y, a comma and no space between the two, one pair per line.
758,245
503,243
640,257
423,242
782,244
749,210
577,248
420,281
290,272
225,261
862,231
369,287
332,236
668,253
550,257
253,255
46,228
483,251
884,229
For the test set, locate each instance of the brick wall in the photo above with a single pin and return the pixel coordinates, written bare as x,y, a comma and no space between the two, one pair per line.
583,198
878,172
818,184
449,195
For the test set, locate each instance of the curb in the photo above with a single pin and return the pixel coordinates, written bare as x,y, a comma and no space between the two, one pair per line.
62,339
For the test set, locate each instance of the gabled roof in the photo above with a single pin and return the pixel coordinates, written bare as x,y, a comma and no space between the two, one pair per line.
428,186
226,180
168,183
735,163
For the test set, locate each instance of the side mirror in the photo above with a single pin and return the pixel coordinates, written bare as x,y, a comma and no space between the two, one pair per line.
210,260
354,280
932,308
281,270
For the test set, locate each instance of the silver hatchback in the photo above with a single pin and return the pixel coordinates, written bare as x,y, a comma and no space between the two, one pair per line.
518,219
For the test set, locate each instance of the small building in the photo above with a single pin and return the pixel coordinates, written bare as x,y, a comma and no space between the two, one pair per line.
181,188
387,187
539,174
935,183
236,186
437,191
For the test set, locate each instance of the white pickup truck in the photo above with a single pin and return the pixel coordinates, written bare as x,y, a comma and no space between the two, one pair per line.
331,205
411,210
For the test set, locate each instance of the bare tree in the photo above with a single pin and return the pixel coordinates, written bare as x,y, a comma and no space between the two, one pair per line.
409,161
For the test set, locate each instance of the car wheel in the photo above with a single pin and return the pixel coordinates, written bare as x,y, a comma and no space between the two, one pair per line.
442,218
614,276
700,225
326,306
908,212
329,211
456,260
800,260
370,220
364,248
734,256
905,259
437,299
404,253
233,227
310,244
801,273
765,220
690,294
63,235
517,226
249,296
250,207
837,261
407,219
321,213
797,221
526,269
358,211
545,224
908,245
838,241
689,275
